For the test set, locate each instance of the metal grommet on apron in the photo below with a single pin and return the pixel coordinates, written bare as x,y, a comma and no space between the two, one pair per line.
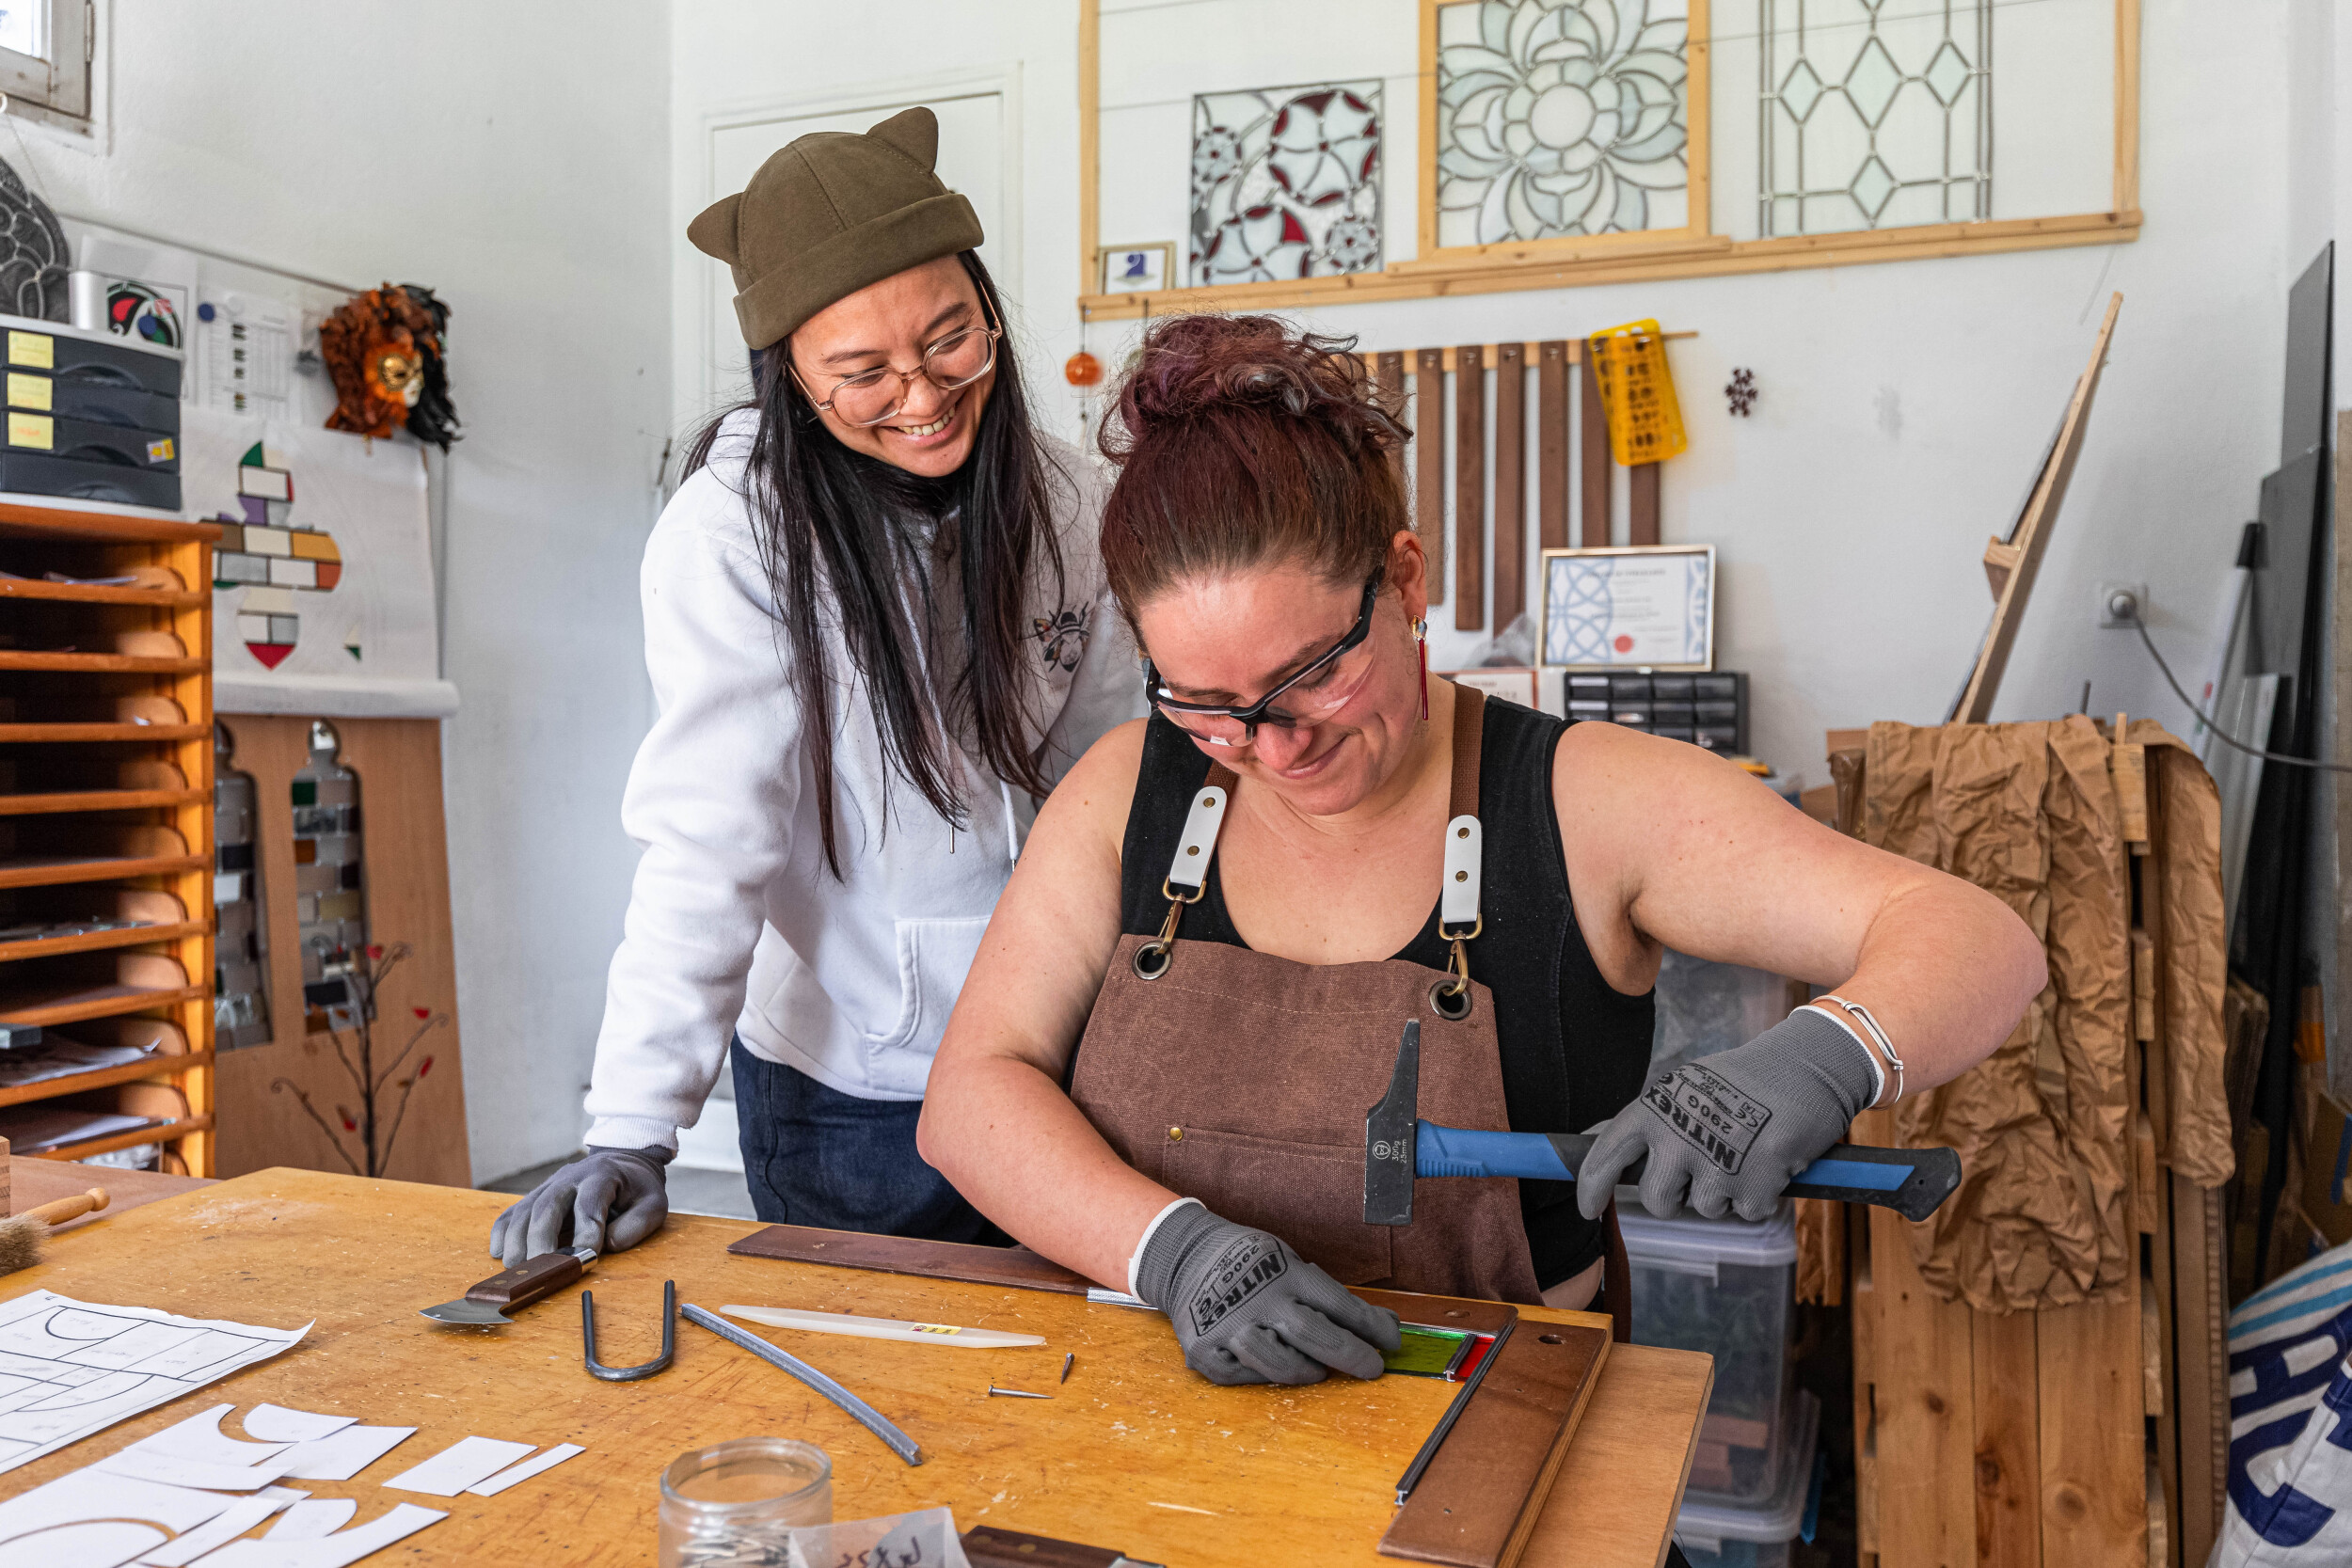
1243,1081
1195,847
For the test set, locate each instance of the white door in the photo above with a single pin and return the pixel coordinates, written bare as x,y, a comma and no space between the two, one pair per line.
970,160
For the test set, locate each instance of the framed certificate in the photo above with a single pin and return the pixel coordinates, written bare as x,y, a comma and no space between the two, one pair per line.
1649,607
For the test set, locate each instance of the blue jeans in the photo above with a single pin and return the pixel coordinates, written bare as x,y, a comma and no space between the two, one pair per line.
813,1155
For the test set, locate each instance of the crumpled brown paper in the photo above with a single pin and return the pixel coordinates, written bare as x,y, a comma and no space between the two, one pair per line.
2197,959
2028,812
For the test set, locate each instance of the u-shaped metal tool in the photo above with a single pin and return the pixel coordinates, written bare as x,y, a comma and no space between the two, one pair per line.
628,1374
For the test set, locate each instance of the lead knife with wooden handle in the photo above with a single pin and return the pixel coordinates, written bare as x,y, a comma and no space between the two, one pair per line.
486,1304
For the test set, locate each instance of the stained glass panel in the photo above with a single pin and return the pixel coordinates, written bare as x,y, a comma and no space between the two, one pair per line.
1285,182
1872,117
1561,117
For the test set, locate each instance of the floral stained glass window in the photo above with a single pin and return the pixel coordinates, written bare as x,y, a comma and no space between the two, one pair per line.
1875,117
1561,117
1285,182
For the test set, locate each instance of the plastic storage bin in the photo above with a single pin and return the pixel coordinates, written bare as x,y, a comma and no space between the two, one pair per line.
1722,1287
1712,1536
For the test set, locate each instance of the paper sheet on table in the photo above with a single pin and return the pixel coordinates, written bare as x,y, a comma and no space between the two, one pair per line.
91,1543
94,1494
313,1520
274,1423
223,1528
332,1551
342,1455
524,1471
69,1368
199,1437
459,1465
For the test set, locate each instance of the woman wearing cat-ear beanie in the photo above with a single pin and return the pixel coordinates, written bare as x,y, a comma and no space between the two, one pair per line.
876,626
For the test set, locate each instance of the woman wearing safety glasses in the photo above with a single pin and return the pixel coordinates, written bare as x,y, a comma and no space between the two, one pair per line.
873,623
1196,985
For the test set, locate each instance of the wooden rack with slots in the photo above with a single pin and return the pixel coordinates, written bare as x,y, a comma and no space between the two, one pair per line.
105,813
1486,526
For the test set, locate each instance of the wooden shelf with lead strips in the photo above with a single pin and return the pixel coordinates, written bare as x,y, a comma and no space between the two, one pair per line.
96,942
98,664
97,1002
102,731
167,1132
56,873
124,834
95,800
157,1069
92,592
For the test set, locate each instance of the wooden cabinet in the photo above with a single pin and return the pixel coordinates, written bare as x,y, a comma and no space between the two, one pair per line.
105,815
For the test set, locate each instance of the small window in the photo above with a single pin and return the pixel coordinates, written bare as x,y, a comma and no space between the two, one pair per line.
45,59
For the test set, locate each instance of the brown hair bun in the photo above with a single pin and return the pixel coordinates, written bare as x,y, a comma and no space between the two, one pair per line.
1241,441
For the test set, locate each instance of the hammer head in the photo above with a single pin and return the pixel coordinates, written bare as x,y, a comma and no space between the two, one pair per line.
1389,1135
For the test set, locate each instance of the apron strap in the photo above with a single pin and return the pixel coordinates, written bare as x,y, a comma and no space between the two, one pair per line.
1469,731
1188,873
1459,919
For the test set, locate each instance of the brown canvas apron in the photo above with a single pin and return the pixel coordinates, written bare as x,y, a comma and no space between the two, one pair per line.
1243,1079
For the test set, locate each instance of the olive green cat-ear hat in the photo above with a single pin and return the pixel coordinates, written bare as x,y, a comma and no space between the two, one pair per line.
830,213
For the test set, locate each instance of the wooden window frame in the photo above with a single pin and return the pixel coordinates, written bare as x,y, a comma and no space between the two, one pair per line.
55,91
1686,252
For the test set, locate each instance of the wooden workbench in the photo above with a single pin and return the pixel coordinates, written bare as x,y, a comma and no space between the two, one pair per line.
1134,1452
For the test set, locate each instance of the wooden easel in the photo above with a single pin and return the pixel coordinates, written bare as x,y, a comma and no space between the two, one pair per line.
2009,564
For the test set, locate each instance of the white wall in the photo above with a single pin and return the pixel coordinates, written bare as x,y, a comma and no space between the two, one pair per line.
1904,407
510,156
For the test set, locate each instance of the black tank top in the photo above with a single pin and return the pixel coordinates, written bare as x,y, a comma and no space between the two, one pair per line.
1574,1049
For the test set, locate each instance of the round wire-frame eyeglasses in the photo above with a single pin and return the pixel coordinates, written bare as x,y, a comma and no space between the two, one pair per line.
865,380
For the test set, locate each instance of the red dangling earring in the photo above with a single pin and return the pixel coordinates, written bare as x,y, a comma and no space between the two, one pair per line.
1421,641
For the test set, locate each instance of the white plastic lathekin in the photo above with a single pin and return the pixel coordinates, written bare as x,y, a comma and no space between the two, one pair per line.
1200,838
1458,906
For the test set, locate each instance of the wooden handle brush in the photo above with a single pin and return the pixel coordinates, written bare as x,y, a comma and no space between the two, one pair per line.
21,1235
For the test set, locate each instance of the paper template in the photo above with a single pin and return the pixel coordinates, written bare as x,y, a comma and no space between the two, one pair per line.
88,1494
309,1521
345,1454
524,1471
200,1439
171,1470
99,1543
225,1527
333,1551
274,1423
69,1369
459,1465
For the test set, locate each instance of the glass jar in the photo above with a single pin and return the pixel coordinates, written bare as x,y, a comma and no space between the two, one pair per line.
729,1505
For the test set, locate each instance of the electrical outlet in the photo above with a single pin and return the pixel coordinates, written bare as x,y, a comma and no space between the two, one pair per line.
2108,619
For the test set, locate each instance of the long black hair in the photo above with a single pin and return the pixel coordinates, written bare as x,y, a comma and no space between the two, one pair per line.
834,523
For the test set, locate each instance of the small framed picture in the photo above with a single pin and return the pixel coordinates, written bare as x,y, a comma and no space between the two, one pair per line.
1138,269
1649,607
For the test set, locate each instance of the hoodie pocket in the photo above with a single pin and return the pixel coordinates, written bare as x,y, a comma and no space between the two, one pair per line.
933,958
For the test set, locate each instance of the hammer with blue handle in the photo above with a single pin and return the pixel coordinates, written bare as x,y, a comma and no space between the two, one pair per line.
1399,1146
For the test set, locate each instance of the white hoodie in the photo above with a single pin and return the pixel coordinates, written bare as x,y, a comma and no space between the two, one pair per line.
735,922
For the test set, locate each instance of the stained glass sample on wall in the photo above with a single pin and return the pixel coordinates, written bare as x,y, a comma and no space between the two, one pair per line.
1285,183
241,941
329,890
1874,117
1558,118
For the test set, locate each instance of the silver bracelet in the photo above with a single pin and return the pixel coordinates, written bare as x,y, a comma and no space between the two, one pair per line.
1878,1033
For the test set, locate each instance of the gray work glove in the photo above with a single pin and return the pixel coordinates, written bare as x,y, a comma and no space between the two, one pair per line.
608,1199
1729,1132
1249,1309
